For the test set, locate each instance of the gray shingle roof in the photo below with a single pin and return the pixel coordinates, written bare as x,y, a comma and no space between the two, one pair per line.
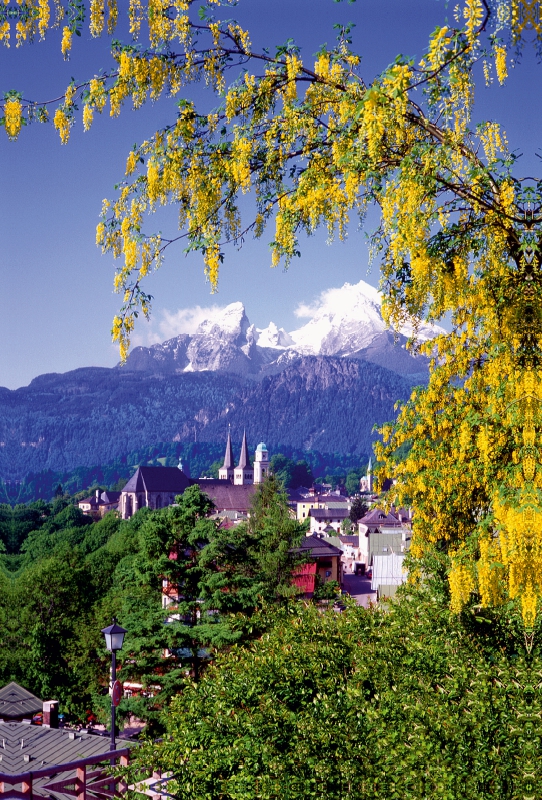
46,746
317,548
16,702
350,539
329,513
376,516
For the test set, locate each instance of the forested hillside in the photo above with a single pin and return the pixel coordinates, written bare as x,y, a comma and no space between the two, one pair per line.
94,416
197,458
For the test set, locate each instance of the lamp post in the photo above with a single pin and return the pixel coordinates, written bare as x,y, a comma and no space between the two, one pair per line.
114,638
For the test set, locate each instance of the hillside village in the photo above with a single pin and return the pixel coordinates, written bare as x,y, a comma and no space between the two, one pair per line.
340,543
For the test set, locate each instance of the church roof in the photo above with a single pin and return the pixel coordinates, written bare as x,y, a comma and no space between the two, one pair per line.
244,460
261,447
158,479
228,497
228,458
110,497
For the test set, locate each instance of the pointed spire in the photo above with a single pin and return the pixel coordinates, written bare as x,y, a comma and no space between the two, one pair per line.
228,458
370,467
244,460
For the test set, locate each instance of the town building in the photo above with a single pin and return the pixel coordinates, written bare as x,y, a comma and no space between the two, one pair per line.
387,574
323,563
98,504
152,487
225,473
322,518
231,493
305,504
261,463
45,761
370,527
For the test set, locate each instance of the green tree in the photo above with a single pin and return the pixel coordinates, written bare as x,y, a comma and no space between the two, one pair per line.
352,481
412,702
252,563
358,509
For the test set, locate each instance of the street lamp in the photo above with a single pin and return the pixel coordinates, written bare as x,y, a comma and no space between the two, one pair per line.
114,637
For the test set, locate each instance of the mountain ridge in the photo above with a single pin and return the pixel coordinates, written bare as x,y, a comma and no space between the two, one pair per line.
95,414
347,323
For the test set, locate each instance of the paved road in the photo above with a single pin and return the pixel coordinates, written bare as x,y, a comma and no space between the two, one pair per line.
359,587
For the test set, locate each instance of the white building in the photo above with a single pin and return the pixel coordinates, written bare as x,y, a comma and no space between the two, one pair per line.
244,473
261,463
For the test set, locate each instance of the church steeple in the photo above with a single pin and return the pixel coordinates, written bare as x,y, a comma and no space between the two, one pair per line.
243,471
244,459
227,469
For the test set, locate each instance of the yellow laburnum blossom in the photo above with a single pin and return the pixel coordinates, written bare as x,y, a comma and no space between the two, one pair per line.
500,63
131,163
97,94
153,179
462,584
5,33
100,233
240,163
293,67
44,14
437,48
112,16
97,14
212,263
88,116
69,95
507,196
473,13
13,117
66,43
62,124
135,15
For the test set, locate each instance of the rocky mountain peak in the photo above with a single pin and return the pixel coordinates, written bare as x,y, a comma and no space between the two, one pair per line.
344,322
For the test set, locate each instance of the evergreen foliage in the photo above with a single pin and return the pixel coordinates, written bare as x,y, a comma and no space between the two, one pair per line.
411,702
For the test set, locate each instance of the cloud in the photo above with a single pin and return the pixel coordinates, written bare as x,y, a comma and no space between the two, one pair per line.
338,300
173,323
185,320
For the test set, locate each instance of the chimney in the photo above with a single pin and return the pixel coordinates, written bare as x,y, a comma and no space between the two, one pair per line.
98,492
50,714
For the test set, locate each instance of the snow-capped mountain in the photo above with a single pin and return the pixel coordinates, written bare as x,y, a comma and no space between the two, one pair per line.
344,322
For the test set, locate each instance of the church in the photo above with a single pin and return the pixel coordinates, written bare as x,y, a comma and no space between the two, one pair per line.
243,473
157,487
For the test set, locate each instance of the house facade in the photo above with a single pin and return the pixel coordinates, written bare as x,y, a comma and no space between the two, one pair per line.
323,563
98,504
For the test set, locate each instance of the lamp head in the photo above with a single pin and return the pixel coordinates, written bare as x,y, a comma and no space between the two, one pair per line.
114,636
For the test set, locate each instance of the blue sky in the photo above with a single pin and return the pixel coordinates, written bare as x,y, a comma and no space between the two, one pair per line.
56,287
